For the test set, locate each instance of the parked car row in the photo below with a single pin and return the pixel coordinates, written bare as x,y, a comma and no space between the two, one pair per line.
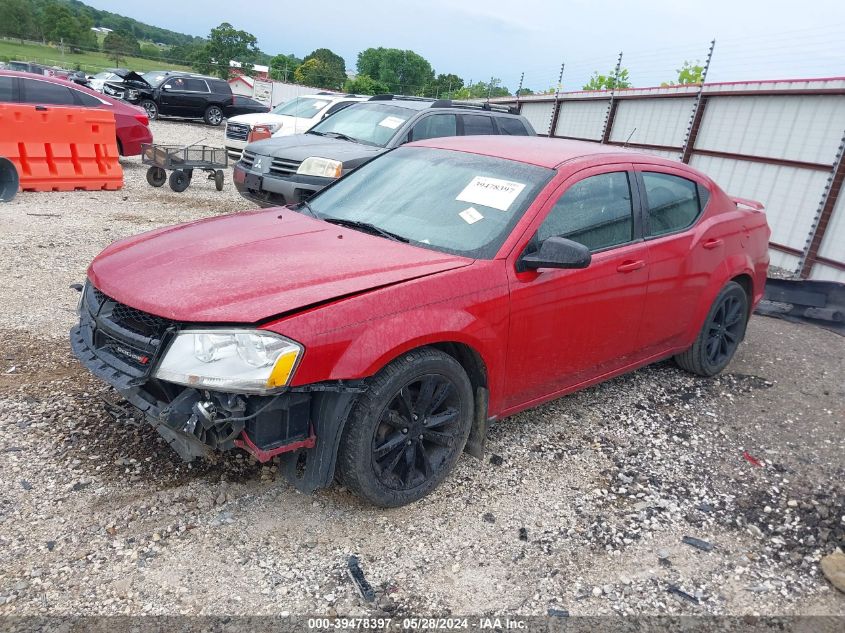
290,167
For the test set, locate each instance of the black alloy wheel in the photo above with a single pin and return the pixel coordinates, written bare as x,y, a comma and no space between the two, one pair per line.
721,334
407,431
416,431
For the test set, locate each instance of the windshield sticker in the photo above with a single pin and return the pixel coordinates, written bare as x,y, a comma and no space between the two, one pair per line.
491,192
471,215
392,122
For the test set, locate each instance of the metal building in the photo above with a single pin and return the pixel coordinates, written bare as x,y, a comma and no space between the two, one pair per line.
780,142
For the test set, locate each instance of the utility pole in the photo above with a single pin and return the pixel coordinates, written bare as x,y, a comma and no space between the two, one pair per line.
697,110
490,89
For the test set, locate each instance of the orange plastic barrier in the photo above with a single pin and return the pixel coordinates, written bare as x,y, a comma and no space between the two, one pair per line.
58,148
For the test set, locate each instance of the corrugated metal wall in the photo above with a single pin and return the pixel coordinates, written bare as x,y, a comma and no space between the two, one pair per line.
652,121
582,119
539,115
772,141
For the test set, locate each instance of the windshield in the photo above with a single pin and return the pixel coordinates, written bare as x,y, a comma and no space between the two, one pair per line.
369,123
302,107
449,201
154,78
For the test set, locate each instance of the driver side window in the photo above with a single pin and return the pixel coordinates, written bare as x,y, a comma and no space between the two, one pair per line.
596,212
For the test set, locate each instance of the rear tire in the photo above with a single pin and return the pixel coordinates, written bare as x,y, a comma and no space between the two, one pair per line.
213,115
721,334
407,431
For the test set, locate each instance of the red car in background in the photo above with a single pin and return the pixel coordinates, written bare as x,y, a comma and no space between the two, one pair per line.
131,123
371,332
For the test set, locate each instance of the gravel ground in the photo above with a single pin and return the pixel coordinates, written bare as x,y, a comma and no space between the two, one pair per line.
580,505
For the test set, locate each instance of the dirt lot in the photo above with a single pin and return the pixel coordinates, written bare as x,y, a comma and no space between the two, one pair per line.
580,505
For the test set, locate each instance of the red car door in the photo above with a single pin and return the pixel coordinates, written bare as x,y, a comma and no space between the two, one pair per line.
685,250
570,326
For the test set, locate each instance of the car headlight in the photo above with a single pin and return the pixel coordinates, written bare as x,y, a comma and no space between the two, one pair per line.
251,361
271,127
316,166
132,94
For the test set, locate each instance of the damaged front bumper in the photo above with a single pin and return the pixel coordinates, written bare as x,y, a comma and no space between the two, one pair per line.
301,426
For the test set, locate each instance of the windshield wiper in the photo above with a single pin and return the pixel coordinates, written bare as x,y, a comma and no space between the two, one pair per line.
342,137
367,228
306,205
315,132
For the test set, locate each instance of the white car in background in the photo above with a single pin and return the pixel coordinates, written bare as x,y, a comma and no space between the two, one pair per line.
97,81
293,117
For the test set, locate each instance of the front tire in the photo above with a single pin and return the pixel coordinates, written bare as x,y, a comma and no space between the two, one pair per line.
721,334
151,108
407,430
179,180
213,115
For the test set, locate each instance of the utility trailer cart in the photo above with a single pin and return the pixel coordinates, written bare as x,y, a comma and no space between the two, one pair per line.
182,161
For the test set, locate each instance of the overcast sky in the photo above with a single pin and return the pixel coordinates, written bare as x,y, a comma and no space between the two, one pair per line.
477,39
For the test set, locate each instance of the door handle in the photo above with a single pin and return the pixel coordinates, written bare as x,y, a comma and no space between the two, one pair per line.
41,108
630,266
713,243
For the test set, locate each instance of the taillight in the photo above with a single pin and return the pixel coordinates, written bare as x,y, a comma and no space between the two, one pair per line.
142,119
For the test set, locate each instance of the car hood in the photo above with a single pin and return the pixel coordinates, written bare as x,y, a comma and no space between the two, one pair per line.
131,76
260,118
248,267
301,146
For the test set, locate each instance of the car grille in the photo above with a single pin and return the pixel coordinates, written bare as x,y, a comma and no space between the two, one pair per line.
247,159
121,335
237,131
284,167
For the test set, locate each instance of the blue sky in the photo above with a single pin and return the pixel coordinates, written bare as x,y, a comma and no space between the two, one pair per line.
477,39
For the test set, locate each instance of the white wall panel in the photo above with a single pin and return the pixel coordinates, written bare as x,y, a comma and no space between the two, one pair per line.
833,243
827,273
539,115
791,195
801,127
582,119
783,260
652,121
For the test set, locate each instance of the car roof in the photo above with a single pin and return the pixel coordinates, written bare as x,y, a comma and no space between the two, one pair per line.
538,150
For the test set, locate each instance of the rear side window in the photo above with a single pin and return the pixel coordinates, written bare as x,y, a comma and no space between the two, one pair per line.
511,127
596,212
673,202
87,100
478,124
47,93
435,126
340,105
195,85
6,85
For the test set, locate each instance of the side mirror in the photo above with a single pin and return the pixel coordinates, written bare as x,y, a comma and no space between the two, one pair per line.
166,87
557,252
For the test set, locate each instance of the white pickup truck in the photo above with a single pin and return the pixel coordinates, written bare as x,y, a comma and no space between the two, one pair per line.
294,117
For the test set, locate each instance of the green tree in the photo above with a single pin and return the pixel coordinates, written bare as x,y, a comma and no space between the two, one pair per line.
120,44
365,85
403,71
16,19
524,91
150,51
61,25
444,86
608,81
226,43
282,67
689,73
326,69
482,89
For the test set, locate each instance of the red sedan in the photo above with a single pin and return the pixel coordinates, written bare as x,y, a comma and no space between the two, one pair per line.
372,332
130,121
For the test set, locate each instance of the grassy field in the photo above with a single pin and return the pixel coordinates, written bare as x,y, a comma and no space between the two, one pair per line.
89,62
